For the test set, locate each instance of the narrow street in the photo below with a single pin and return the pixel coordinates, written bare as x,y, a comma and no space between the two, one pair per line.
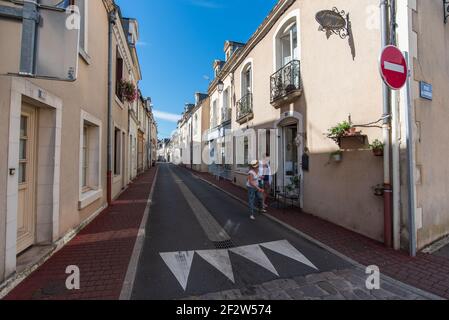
132,160
201,244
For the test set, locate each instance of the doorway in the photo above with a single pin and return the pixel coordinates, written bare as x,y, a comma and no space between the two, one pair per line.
291,168
290,175
26,213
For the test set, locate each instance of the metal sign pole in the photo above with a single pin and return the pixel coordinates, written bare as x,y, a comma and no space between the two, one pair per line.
411,166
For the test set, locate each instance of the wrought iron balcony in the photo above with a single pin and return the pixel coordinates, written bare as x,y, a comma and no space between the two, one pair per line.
245,109
286,83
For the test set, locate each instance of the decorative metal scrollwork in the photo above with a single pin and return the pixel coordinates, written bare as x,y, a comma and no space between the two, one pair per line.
285,80
333,22
245,106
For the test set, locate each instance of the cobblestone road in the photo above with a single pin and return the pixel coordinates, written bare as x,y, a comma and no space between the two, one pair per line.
347,284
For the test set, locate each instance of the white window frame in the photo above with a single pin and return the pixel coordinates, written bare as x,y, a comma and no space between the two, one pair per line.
89,195
118,131
287,22
214,114
249,63
85,48
226,103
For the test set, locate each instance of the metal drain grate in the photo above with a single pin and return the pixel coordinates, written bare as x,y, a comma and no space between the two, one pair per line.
224,244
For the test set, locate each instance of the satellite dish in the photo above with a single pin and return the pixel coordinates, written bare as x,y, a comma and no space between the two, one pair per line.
58,45
55,55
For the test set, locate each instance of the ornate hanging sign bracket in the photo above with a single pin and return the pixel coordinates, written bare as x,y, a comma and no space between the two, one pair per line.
333,22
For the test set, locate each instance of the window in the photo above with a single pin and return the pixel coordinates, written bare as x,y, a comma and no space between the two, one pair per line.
195,125
287,43
245,163
214,120
117,152
90,153
23,157
83,7
118,75
90,160
85,158
226,112
247,81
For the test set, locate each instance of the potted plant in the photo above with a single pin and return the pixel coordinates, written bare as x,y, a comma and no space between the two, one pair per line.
128,91
337,156
293,186
339,131
378,148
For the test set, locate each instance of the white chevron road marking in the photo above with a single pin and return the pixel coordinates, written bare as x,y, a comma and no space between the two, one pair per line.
286,249
179,264
220,260
255,254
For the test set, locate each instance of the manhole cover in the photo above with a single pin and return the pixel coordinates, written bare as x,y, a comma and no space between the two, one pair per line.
224,244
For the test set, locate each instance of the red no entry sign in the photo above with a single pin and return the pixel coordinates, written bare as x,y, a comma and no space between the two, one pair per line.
393,67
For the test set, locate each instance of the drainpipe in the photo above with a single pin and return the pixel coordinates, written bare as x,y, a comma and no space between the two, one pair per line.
411,169
112,21
149,155
396,137
388,195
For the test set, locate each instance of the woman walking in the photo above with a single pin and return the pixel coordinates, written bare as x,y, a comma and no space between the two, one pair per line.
254,190
266,179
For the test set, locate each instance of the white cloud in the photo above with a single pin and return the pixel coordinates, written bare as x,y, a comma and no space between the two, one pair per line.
170,117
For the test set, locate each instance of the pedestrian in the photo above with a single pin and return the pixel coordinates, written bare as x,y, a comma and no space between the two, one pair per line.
266,179
254,190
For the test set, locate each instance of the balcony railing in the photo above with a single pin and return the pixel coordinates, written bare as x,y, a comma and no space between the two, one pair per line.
245,108
286,83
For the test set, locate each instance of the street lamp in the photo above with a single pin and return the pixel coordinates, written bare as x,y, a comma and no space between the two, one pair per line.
220,86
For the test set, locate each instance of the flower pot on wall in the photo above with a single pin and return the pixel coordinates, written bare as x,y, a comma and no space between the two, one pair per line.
378,152
351,132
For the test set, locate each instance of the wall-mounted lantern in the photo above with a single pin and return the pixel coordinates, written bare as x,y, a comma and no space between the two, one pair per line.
446,10
333,22
220,86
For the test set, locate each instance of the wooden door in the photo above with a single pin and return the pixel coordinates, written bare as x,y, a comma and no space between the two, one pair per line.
26,213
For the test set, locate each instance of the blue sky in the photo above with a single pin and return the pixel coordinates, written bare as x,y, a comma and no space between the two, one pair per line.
180,39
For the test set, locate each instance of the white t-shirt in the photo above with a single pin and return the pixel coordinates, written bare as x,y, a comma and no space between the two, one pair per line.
255,177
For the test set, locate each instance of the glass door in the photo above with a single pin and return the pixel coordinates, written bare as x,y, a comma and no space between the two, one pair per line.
291,169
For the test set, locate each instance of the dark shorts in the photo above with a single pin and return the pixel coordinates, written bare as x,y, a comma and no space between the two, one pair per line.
267,186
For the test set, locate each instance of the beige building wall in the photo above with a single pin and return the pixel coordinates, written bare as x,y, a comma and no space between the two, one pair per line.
431,65
335,86
123,117
88,94
200,142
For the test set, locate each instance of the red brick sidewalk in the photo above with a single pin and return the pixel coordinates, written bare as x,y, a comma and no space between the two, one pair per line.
102,252
426,272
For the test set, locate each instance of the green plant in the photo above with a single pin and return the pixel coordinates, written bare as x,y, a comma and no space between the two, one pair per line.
377,145
340,130
294,184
